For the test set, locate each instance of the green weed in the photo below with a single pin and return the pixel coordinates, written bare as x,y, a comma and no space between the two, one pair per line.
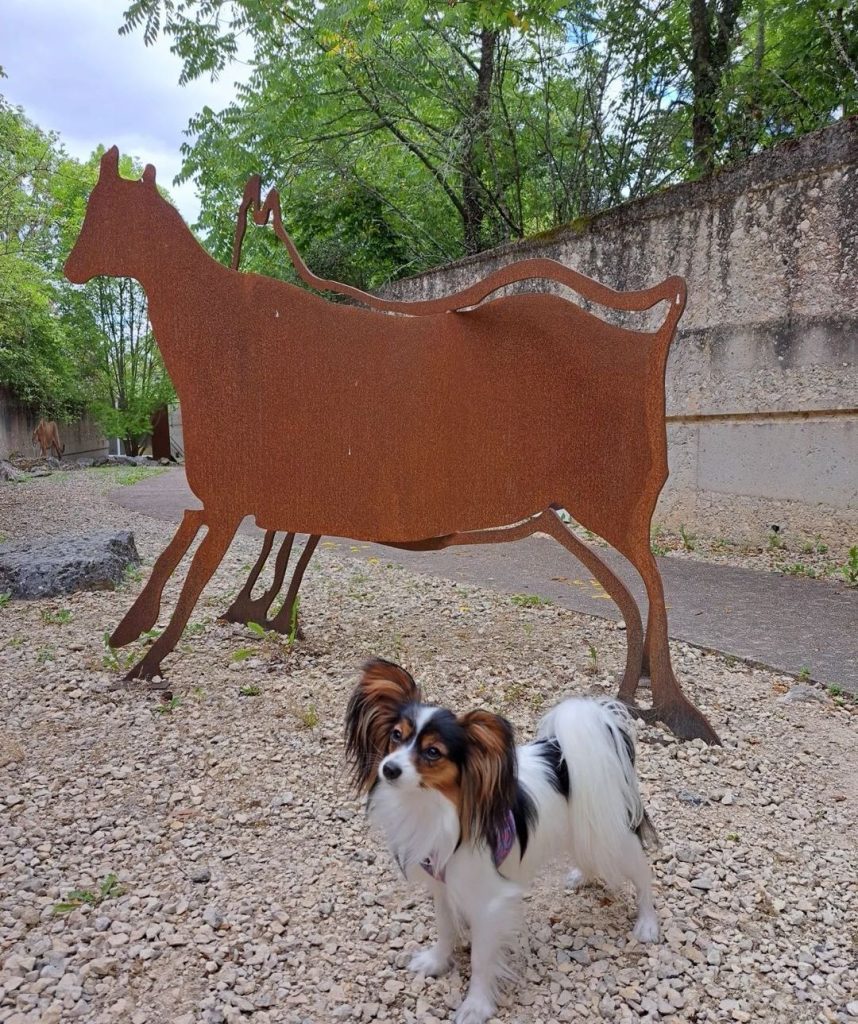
799,569
655,544
249,691
56,618
849,571
804,675
775,541
530,601
134,474
688,539
115,661
293,622
5,599
593,667
167,707
108,889
310,717
132,574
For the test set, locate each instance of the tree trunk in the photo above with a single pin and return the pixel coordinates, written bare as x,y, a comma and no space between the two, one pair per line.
713,23
476,131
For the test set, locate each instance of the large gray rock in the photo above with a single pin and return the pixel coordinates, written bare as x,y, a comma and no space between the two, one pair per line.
9,473
62,565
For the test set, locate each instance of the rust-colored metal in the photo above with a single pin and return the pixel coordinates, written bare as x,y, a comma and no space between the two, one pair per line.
421,430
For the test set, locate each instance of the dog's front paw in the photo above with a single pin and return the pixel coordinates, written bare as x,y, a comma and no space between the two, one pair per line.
646,928
432,962
475,1010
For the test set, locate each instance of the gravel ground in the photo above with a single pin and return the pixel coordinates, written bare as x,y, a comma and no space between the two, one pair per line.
247,883
789,556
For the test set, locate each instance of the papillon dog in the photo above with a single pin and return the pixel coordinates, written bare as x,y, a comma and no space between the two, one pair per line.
474,818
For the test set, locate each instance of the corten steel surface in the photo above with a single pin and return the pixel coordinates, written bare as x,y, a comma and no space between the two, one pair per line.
245,608
418,431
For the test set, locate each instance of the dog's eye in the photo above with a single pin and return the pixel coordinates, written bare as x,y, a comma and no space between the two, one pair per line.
432,753
396,735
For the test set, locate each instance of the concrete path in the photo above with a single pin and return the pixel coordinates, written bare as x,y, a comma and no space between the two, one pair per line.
786,623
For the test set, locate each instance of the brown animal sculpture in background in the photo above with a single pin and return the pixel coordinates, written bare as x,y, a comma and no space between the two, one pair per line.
47,437
419,431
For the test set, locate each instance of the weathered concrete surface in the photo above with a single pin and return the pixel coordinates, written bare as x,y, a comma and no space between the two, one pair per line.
788,624
762,381
63,565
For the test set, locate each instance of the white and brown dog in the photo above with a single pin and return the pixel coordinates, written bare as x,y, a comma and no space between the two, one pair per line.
474,818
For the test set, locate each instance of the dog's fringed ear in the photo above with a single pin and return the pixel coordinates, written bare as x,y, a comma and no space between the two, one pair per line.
373,710
489,776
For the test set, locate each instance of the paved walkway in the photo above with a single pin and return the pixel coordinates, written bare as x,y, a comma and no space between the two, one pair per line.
786,623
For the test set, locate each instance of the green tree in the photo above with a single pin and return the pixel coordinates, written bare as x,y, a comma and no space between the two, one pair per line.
35,361
459,126
407,133
65,348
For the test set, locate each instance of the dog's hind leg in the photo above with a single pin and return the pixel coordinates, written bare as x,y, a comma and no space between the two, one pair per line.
634,865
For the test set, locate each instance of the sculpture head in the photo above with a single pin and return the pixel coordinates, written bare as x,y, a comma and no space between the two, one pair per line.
120,217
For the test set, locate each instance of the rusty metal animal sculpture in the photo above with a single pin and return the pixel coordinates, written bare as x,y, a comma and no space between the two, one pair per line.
47,437
246,608
460,422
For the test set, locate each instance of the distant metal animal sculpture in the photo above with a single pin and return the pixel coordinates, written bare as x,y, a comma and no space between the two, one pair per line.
47,437
460,422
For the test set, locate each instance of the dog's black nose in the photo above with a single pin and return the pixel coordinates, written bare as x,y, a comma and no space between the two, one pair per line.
391,771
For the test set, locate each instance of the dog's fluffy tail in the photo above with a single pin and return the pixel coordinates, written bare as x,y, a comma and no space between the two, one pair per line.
597,742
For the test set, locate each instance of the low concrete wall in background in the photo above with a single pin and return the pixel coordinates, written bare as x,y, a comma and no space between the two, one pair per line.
83,439
762,380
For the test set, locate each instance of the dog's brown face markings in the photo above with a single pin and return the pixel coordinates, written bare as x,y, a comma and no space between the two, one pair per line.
373,711
469,759
435,767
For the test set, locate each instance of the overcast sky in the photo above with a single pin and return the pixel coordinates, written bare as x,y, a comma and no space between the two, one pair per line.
71,71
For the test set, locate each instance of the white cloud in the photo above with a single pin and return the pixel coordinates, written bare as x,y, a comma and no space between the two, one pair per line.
72,72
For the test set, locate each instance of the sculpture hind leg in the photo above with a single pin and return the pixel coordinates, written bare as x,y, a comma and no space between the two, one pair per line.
143,614
616,589
669,703
286,620
549,522
206,559
246,608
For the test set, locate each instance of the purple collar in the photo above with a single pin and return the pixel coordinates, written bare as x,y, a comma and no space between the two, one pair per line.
500,850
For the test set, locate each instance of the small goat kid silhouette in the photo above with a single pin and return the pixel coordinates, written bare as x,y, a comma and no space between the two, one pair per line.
452,425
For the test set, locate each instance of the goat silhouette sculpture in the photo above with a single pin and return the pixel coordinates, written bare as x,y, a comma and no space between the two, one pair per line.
443,425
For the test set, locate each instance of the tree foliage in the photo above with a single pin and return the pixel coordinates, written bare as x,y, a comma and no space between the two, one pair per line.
406,134
65,348
35,362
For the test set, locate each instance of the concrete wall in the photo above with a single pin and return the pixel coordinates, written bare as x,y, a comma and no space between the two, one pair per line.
82,439
762,380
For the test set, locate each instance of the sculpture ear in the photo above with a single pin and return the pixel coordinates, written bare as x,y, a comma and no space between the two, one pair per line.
109,167
148,175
